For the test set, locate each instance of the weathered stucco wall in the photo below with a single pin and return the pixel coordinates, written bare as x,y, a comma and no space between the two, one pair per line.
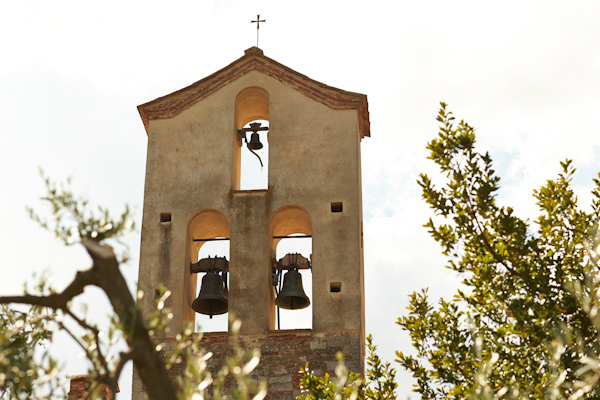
313,161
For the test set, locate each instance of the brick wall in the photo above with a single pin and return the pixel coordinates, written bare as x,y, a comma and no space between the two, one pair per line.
79,386
283,354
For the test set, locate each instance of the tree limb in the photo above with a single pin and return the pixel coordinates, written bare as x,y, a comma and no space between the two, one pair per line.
124,358
150,366
105,274
57,301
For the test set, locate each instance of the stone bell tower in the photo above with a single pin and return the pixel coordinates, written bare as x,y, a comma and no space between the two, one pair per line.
192,195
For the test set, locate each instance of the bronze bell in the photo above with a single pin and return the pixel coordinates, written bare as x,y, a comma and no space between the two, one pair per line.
292,296
255,143
212,299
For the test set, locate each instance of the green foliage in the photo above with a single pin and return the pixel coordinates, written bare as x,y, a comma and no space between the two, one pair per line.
521,308
21,374
379,385
381,377
346,385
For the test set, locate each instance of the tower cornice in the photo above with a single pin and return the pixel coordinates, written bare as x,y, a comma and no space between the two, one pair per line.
173,104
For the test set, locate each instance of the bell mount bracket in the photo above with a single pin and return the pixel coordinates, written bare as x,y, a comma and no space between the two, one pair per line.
254,128
210,264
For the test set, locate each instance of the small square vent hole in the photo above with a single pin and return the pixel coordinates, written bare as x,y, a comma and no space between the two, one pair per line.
335,287
337,206
165,217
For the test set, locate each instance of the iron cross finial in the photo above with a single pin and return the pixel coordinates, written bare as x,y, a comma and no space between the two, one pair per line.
258,21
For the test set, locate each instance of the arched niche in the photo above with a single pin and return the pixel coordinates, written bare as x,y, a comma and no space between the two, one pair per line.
292,223
288,220
251,104
204,224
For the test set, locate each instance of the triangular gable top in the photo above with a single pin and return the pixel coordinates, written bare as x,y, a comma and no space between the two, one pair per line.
172,104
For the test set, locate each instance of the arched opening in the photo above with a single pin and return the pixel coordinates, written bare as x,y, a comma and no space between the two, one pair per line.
208,234
250,163
291,232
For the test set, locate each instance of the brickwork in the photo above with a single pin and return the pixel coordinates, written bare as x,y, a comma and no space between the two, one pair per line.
79,388
283,354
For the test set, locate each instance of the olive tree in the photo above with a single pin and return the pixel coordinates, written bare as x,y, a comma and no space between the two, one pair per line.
524,323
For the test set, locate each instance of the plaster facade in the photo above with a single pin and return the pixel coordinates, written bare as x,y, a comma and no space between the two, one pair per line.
192,191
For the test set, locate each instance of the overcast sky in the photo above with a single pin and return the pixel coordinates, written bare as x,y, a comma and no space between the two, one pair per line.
525,73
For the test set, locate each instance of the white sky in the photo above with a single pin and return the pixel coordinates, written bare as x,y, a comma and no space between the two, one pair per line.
525,73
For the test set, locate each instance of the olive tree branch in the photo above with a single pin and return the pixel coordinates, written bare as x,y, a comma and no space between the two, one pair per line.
96,334
57,301
87,351
124,358
106,275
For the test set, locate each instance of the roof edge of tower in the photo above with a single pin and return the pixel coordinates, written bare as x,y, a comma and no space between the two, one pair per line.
173,104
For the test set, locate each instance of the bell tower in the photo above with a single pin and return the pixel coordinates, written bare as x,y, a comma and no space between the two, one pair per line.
197,138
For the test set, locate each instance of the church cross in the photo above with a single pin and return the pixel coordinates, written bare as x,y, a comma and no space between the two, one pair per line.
258,21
